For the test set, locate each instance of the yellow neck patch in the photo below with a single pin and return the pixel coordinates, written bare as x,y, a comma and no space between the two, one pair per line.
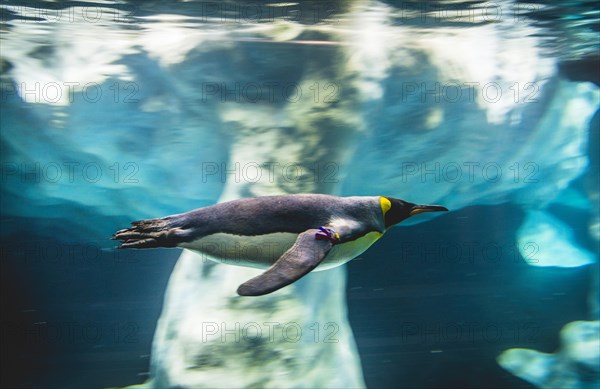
385,204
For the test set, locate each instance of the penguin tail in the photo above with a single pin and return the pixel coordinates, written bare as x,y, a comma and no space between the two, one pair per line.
150,233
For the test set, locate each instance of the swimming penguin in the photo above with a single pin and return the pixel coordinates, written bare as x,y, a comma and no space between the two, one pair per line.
288,235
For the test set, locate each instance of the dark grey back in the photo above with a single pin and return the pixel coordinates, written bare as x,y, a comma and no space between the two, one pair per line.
288,213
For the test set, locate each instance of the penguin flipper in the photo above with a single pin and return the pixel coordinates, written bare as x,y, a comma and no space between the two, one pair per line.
306,254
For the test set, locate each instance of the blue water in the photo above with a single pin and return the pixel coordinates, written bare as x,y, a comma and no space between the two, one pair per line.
400,310
167,98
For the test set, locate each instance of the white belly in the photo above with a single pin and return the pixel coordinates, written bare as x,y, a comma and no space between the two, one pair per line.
262,251
250,251
345,252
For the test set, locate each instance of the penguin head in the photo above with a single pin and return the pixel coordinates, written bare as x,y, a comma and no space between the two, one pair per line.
396,210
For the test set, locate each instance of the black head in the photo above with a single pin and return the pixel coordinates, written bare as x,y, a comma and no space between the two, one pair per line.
396,210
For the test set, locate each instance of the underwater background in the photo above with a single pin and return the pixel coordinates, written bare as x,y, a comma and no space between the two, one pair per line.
114,112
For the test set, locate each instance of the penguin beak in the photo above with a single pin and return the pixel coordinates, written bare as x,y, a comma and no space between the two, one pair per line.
426,208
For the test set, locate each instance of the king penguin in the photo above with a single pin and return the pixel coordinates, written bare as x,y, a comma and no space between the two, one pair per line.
289,235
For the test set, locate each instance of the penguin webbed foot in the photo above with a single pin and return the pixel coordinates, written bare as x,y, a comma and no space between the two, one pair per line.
149,233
